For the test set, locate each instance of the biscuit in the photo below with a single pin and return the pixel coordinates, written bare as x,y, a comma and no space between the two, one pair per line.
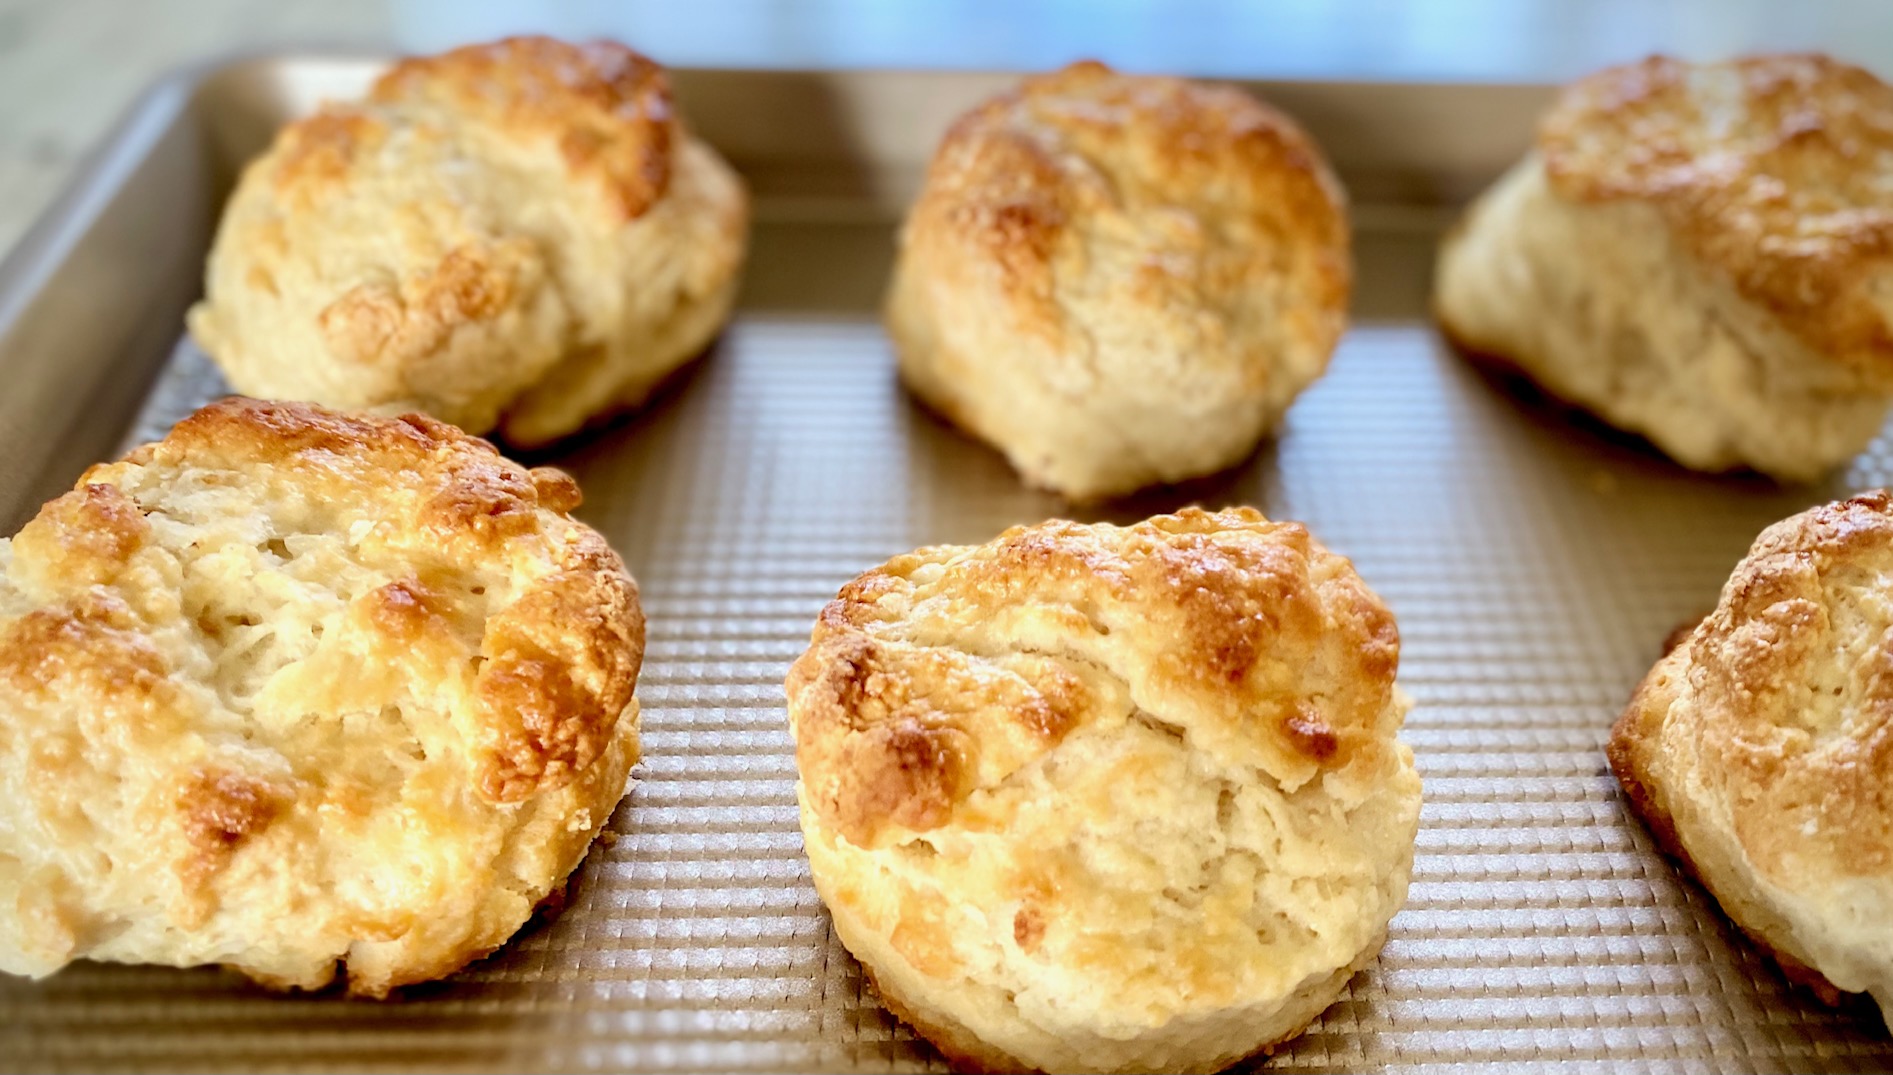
521,235
1697,254
1091,798
1120,281
290,689
1760,749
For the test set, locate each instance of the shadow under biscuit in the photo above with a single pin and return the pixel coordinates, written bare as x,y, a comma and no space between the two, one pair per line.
965,475
1244,484
1771,978
1582,429
601,430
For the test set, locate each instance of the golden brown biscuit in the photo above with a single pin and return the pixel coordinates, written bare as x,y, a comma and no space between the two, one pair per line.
290,689
1091,798
1120,280
1760,749
1699,254
520,235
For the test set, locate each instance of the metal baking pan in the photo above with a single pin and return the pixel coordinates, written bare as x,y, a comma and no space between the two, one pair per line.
1534,565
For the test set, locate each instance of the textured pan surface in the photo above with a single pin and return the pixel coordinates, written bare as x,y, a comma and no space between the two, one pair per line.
1534,565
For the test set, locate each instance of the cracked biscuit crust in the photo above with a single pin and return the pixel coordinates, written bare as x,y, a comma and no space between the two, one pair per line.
1102,798
1759,750
1699,254
291,688
521,235
1775,172
1120,280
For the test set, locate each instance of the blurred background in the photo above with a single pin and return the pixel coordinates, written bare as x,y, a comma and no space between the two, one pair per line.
69,67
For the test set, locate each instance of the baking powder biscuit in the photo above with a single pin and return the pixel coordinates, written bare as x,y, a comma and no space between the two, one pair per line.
1760,749
1699,254
1091,798
290,689
1118,280
521,236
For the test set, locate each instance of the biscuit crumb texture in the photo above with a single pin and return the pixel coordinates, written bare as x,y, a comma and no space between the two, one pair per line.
1090,798
1760,749
1699,254
291,689
1120,280
519,235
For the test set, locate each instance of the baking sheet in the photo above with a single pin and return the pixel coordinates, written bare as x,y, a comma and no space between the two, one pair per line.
1533,563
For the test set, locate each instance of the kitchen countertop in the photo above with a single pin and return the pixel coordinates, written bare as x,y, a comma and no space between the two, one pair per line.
69,68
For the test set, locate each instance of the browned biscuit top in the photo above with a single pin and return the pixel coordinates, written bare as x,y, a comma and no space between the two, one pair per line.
941,672
555,665
607,106
1047,179
1776,171
291,688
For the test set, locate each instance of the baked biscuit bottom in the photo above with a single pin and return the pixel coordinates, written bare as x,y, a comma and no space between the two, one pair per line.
965,1052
